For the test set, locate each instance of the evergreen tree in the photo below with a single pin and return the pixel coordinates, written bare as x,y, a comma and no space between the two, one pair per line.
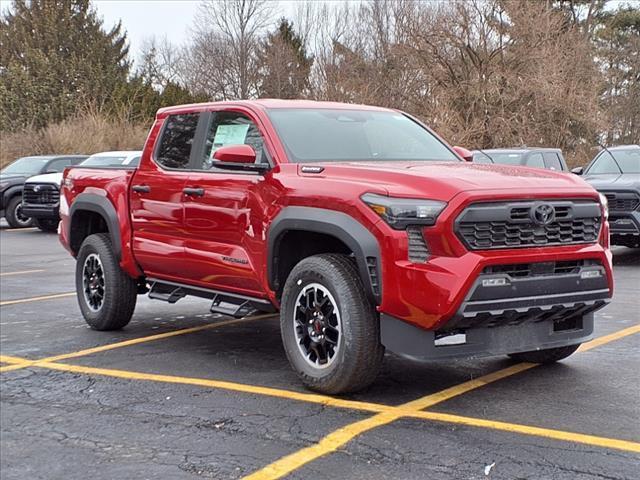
55,56
285,66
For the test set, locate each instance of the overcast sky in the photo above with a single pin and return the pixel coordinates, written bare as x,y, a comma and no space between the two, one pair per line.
145,18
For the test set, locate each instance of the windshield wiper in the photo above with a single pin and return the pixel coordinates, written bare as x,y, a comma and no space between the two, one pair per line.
614,158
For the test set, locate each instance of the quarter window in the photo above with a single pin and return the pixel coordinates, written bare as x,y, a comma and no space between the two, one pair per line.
177,139
231,128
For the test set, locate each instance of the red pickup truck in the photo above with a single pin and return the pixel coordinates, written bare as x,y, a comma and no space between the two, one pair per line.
360,225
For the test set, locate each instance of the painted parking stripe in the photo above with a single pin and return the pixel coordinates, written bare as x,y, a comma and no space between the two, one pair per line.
23,363
37,299
23,272
342,436
28,229
336,439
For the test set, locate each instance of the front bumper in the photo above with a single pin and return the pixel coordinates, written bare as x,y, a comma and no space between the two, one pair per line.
422,345
42,211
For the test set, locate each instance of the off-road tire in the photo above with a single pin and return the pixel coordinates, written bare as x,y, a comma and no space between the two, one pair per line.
550,355
359,356
12,215
120,291
47,225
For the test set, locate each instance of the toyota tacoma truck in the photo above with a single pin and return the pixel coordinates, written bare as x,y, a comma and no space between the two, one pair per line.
359,225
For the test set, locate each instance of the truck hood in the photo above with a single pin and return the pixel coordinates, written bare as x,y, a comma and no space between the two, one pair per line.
11,179
628,181
46,178
444,180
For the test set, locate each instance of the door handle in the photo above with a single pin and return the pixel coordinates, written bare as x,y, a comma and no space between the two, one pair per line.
141,188
193,192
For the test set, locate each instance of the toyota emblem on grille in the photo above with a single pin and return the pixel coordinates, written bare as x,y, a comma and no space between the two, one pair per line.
543,214
36,188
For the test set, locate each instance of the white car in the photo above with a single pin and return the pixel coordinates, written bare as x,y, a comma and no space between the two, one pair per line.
41,194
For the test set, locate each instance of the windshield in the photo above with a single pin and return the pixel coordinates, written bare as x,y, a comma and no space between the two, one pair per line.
104,161
26,166
623,161
324,135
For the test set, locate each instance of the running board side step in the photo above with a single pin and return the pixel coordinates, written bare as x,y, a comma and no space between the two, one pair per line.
226,303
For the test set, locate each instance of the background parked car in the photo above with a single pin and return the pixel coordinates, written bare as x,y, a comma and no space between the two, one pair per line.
41,193
12,179
549,158
615,172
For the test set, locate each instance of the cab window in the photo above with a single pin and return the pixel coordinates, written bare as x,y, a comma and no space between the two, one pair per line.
231,128
174,149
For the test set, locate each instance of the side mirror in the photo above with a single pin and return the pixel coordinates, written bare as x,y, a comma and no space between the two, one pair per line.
235,154
578,170
464,153
52,171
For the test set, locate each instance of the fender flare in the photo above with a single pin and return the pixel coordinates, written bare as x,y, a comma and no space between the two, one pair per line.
11,192
337,224
90,202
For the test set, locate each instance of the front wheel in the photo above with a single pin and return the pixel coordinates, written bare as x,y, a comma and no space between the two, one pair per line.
550,355
15,217
106,295
330,330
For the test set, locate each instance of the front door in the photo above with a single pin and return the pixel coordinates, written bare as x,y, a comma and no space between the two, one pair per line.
224,216
157,211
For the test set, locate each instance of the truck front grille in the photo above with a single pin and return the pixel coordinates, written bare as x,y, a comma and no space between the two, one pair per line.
622,201
483,226
41,194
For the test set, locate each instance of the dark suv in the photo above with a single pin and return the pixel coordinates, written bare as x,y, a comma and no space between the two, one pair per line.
549,158
12,180
615,172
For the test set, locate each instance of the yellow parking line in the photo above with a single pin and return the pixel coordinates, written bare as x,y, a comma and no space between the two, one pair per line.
23,272
596,342
334,440
36,299
337,439
386,414
28,229
126,343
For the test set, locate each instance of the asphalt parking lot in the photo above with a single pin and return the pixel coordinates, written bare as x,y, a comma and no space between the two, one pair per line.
181,393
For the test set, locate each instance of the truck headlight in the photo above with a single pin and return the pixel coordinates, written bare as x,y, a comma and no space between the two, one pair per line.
605,205
400,212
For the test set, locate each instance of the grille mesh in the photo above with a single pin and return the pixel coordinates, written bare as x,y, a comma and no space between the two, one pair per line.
40,194
622,201
510,225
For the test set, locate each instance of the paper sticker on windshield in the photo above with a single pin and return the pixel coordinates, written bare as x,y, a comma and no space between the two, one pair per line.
230,135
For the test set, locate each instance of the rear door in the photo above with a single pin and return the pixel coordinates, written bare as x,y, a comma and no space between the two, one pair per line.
156,196
224,221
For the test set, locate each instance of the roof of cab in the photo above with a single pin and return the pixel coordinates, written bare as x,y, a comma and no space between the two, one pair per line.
269,103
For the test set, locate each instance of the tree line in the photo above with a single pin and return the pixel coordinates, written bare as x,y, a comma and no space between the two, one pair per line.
484,73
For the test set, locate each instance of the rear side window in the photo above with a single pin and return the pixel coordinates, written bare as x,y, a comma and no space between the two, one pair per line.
552,162
175,145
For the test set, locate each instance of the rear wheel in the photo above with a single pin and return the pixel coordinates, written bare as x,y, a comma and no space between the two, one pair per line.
330,330
47,225
549,355
106,295
15,217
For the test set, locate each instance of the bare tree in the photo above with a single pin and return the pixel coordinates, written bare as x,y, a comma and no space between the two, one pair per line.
226,40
